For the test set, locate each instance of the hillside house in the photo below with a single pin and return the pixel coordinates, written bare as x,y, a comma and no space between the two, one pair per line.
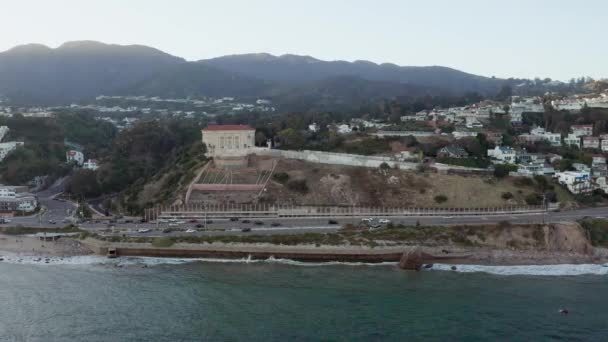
577,182
582,130
591,142
503,153
572,140
452,151
76,157
228,139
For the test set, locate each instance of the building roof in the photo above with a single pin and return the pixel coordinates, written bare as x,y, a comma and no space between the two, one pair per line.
228,128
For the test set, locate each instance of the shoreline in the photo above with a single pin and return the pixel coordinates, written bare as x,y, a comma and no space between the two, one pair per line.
68,247
31,246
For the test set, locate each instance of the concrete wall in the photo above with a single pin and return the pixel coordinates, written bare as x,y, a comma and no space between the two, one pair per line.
227,187
335,158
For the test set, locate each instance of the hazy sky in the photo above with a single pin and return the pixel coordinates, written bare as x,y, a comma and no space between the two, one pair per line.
515,38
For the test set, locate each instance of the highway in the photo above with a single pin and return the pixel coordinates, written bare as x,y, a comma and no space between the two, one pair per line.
56,210
307,225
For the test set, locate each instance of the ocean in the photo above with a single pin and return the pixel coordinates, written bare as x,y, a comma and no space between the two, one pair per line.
146,299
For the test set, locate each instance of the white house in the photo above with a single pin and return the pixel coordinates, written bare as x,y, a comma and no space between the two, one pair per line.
74,156
91,164
577,182
3,131
540,134
313,127
8,147
573,140
582,130
503,153
591,142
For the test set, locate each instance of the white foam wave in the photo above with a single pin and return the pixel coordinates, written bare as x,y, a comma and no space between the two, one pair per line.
534,270
152,261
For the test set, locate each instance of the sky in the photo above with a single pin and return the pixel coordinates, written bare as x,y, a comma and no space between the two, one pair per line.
559,39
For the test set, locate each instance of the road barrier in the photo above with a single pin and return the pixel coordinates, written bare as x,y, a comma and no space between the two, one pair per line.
205,211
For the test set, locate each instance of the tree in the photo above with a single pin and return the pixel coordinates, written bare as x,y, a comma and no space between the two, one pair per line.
504,93
260,138
502,170
84,184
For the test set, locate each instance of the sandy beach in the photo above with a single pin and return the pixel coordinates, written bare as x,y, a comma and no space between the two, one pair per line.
31,245
64,247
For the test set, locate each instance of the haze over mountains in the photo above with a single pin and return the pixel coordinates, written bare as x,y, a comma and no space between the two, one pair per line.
75,71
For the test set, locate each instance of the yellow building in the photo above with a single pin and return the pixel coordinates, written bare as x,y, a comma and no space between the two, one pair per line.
228,140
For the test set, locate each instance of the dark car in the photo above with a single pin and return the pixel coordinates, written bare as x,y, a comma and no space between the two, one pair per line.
246,221
332,222
167,230
246,230
275,224
259,223
234,219
128,221
193,221
200,225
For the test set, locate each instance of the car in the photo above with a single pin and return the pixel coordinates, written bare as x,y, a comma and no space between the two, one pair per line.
258,223
144,230
190,231
208,221
167,230
384,221
193,221
173,224
332,222
246,221
52,222
112,221
234,219
367,219
128,221
246,230
275,224
200,225
4,220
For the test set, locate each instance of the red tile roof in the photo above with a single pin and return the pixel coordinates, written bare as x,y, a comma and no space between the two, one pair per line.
228,128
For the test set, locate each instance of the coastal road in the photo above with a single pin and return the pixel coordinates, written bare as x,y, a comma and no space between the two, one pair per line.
307,225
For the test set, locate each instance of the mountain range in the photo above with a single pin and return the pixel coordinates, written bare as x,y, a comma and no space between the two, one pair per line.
75,71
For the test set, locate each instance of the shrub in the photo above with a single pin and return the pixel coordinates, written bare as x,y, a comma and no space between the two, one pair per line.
504,224
162,242
534,199
281,177
523,181
298,185
506,195
441,198
384,166
502,170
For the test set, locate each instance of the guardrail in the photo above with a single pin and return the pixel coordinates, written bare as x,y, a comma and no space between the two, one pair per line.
194,211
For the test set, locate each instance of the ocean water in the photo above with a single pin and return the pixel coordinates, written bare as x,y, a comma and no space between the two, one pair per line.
145,299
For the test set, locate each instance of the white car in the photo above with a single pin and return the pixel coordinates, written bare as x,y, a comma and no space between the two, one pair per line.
190,231
384,221
144,230
173,224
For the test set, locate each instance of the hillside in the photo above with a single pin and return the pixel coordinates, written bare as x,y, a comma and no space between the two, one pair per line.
302,69
75,70
192,79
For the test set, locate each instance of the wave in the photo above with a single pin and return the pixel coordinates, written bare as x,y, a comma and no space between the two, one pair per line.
152,261
534,270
